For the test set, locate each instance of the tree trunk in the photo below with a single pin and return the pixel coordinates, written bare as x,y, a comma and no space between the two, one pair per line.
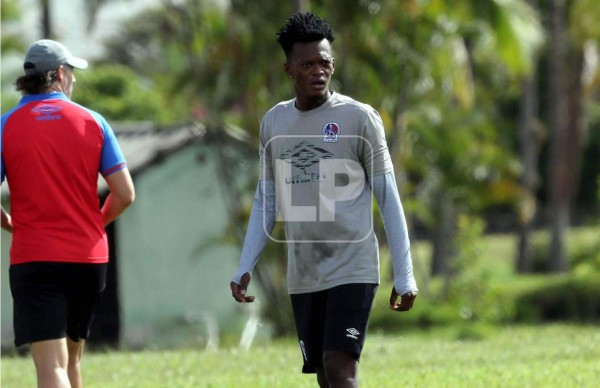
442,236
567,173
529,142
300,5
559,172
575,124
529,147
46,19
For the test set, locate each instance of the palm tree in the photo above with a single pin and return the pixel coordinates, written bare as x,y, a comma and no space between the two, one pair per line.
529,146
558,172
422,74
573,37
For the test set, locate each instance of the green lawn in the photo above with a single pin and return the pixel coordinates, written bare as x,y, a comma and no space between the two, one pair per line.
541,356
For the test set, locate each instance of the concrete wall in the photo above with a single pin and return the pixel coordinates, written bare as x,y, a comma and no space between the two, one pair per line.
173,267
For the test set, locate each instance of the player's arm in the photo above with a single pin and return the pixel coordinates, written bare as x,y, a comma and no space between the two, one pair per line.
6,221
122,194
390,207
260,226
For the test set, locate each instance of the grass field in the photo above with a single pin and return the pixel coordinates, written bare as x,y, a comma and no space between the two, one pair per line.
540,356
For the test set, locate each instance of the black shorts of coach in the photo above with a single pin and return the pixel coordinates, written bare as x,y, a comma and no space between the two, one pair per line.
332,320
53,300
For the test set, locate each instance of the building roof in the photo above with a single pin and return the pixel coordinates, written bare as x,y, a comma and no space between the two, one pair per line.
144,144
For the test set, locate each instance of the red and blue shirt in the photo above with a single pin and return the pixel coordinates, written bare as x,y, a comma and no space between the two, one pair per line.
52,152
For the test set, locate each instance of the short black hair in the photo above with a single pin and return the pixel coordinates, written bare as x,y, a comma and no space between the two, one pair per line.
303,27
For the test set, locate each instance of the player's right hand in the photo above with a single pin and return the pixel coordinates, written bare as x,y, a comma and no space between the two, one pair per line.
238,291
406,301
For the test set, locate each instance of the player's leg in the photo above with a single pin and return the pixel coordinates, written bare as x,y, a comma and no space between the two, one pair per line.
75,351
309,310
346,318
84,295
340,369
39,312
321,378
50,359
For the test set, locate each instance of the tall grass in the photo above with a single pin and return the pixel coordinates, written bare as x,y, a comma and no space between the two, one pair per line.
541,356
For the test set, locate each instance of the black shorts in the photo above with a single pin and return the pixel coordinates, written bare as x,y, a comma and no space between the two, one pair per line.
334,319
53,300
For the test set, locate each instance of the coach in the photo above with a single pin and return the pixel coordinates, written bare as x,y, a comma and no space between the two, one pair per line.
52,152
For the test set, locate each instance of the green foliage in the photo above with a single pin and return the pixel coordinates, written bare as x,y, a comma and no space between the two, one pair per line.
584,21
573,298
215,63
486,293
586,258
119,94
11,39
9,101
11,42
468,282
590,165
584,251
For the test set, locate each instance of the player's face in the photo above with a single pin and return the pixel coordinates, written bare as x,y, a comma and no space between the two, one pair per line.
310,65
67,80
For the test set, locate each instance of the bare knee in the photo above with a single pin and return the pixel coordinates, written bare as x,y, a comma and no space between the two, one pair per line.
50,359
340,369
75,351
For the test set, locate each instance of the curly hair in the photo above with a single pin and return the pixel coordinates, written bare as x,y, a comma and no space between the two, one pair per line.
36,83
303,27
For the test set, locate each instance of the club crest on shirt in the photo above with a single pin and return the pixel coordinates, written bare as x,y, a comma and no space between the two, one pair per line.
331,131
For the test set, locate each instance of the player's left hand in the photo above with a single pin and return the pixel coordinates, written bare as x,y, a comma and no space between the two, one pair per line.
406,300
238,291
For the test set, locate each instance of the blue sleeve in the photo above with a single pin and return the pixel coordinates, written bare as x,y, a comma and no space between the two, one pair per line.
260,226
394,222
111,159
4,119
2,153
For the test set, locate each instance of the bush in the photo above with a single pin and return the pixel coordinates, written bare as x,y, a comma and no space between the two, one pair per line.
573,298
119,94
425,314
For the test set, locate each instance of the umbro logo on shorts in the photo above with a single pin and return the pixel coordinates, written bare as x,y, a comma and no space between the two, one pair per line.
352,333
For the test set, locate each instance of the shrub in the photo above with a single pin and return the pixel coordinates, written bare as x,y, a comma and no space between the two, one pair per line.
574,298
119,94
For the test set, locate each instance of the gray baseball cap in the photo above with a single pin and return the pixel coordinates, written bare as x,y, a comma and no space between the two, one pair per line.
46,54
